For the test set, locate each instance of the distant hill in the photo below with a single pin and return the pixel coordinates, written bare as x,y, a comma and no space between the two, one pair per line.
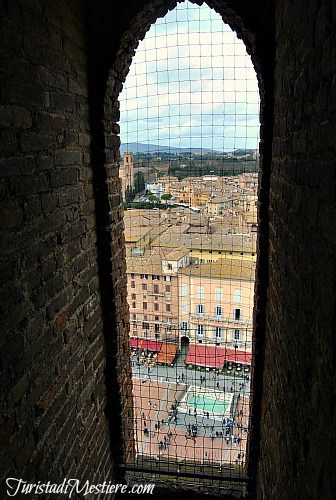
241,152
137,147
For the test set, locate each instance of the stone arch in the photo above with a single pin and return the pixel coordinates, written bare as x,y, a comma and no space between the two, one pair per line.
237,15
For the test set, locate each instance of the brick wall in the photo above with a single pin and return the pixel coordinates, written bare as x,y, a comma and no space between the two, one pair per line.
298,410
64,349
52,347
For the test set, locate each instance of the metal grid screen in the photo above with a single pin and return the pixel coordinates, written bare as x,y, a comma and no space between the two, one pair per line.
189,170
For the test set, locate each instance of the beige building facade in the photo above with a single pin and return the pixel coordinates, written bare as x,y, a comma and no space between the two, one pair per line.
216,303
153,293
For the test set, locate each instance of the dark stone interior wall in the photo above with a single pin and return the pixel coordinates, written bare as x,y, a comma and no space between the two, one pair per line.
52,347
298,416
62,286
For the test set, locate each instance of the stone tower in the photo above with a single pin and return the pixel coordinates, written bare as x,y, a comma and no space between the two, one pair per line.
126,173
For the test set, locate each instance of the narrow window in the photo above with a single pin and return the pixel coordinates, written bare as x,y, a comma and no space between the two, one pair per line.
184,326
237,336
237,314
200,309
218,311
200,330
189,115
218,332
237,296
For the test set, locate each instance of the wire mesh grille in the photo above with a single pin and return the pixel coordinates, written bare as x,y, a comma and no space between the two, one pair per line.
189,170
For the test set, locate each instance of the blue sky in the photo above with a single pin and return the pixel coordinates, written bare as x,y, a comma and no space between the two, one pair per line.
191,84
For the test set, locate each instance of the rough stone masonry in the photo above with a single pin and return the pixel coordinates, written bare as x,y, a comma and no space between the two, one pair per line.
66,381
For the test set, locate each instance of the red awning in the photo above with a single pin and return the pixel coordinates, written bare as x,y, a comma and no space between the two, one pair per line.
167,354
150,345
202,355
235,356
215,357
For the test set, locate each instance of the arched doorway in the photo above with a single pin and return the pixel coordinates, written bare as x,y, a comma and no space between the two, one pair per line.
185,342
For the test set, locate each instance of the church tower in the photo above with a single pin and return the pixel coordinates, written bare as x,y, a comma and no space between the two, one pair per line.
126,173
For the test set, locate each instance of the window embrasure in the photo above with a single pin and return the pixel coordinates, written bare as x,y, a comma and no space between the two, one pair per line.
189,171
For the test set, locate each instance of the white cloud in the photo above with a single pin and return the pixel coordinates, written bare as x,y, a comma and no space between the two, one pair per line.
191,81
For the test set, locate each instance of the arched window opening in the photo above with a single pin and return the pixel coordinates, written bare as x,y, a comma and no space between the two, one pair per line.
189,128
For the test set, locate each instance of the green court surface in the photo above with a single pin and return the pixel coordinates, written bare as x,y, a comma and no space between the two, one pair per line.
208,404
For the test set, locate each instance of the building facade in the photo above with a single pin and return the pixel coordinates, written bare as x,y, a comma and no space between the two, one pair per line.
153,293
216,303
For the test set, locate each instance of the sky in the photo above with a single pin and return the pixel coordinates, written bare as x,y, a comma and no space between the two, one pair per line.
191,84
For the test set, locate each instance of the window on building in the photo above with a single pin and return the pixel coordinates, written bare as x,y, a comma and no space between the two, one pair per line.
218,332
168,307
156,306
133,296
156,318
145,325
134,305
218,294
237,335
156,288
237,296
218,311
170,267
184,290
144,305
167,288
132,284
155,277
184,306
144,276
237,314
199,309
144,286
156,328
200,292
167,278
184,326
134,317
200,330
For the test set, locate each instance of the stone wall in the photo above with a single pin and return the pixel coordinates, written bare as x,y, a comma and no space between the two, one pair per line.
52,345
298,406
66,380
